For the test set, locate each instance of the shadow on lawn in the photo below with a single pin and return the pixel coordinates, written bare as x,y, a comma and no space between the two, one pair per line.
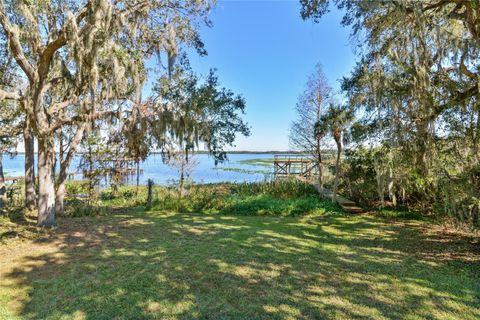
159,266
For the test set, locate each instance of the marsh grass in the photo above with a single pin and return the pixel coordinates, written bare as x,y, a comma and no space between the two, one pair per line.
245,171
265,162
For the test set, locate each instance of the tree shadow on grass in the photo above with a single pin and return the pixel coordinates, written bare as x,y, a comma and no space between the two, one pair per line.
183,266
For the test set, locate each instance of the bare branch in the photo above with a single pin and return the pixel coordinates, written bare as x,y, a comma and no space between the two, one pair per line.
72,150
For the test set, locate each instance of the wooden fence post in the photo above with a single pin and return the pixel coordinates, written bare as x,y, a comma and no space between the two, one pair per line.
150,192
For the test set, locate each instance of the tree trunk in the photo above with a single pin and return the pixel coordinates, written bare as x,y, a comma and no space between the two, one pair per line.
138,174
64,165
391,192
60,191
379,176
182,178
423,144
338,141
380,189
319,153
60,196
46,183
3,189
320,166
30,194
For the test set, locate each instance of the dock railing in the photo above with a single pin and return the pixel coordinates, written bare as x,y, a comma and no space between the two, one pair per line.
296,165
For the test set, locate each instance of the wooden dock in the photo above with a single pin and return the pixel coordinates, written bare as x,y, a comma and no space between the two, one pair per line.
294,165
305,169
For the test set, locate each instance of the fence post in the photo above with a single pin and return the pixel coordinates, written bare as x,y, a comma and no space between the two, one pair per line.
150,192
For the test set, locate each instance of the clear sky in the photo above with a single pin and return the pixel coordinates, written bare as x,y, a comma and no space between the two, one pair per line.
265,51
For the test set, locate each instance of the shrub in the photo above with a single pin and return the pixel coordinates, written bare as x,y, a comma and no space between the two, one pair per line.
80,208
284,198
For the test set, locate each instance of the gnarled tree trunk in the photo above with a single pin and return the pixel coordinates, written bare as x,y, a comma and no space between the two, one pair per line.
46,182
64,165
29,141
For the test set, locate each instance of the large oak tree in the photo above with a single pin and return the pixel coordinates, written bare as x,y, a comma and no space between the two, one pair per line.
80,61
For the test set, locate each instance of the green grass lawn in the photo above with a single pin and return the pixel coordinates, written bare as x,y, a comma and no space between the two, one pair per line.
137,265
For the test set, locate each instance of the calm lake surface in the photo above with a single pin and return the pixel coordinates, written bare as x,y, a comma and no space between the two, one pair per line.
232,170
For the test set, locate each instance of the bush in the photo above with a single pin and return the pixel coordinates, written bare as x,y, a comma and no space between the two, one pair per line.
80,208
75,188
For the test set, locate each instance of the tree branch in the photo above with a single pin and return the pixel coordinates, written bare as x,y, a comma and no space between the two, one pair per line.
461,96
463,68
65,163
57,107
5,95
85,118
14,43
47,54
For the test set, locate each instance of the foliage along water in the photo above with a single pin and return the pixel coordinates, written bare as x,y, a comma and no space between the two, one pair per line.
233,170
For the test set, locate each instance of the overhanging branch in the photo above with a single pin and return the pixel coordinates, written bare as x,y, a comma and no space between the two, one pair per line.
5,95
12,34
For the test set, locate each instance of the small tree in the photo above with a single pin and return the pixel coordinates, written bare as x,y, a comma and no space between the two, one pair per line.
184,162
188,114
336,121
310,107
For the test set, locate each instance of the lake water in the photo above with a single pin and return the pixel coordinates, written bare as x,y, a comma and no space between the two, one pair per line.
153,167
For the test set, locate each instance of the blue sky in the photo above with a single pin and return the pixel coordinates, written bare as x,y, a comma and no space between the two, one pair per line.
265,51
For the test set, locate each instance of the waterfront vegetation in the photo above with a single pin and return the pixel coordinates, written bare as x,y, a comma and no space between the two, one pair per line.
287,198
267,173
267,162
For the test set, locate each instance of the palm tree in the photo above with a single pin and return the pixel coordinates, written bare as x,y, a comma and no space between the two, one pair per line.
336,121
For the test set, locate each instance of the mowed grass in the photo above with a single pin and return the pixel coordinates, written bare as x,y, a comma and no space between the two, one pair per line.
154,265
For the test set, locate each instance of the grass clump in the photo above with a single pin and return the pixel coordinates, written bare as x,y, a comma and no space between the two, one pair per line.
399,214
